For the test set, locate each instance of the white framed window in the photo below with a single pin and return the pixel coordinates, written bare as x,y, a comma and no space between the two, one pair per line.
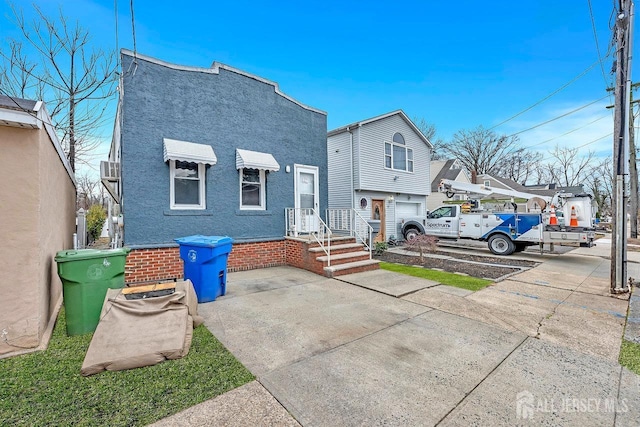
187,185
487,183
252,189
396,154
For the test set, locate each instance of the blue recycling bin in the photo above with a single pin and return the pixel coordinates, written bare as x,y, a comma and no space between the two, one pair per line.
205,264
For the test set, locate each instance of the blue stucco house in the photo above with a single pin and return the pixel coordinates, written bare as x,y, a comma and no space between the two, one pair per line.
213,151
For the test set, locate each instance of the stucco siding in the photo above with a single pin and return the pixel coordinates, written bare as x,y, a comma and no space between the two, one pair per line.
372,173
19,254
38,203
340,175
57,223
227,111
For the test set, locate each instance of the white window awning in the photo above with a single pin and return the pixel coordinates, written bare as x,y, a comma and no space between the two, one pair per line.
188,152
246,159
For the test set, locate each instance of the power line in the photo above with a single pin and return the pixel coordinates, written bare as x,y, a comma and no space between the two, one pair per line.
567,133
558,117
133,29
581,146
589,68
595,37
115,6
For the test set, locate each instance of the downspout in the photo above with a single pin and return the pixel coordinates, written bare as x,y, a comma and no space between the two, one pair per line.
351,167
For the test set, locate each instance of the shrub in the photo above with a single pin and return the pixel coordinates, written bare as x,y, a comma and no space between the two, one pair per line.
96,215
380,248
422,243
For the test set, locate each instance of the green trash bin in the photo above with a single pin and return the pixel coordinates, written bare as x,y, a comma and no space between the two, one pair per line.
86,275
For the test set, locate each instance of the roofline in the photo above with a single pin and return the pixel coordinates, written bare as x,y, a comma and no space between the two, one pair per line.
380,117
215,69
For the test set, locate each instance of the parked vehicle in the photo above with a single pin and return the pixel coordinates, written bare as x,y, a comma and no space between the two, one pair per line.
508,232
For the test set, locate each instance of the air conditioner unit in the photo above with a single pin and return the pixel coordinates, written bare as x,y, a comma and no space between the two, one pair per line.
110,171
110,177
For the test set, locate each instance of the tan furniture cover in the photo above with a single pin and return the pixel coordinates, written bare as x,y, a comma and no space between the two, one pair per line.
142,332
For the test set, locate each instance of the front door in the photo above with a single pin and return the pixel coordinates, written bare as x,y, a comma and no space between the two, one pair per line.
377,213
306,199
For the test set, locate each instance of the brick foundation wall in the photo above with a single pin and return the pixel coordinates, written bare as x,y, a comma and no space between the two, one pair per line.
154,264
163,264
248,256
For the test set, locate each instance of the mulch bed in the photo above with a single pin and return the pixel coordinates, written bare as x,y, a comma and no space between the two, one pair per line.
483,270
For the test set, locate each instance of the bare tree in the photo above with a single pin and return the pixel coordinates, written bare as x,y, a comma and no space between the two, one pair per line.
567,167
90,192
73,78
430,131
600,181
520,166
481,150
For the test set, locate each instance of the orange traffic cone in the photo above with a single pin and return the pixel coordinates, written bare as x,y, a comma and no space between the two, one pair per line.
552,218
574,218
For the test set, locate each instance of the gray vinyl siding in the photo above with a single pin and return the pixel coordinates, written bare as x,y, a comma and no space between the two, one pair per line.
339,170
356,157
389,210
372,173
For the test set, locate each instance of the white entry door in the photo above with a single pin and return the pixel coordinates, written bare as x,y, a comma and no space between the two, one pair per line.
306,193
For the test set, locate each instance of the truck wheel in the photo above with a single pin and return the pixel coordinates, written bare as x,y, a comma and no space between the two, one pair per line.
501,245
411,233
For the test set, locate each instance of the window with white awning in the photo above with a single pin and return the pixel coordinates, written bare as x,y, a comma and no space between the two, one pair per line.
187,171
252,167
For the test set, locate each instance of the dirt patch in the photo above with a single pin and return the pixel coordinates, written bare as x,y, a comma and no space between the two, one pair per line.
472,265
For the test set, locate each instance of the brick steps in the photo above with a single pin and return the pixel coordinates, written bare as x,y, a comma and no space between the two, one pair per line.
338,249
347,256
351,267
344,258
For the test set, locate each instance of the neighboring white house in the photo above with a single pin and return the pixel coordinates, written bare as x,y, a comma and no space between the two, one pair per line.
445,169
380,168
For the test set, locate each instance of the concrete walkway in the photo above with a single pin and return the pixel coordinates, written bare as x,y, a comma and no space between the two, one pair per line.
539,348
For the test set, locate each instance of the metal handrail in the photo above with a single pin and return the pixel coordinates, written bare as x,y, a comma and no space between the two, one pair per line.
340,220
349,220
368,243
296,220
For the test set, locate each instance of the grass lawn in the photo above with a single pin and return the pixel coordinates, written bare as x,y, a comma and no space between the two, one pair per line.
46,388
630,356
450,279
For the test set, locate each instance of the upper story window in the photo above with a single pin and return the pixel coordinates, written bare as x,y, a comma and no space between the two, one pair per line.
252,189
187,185
396,154
487,183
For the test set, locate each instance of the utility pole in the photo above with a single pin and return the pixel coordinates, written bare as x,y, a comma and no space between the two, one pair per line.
634,205
623,28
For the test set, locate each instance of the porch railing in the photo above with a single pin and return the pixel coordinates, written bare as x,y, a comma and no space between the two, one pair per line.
349,221
307,222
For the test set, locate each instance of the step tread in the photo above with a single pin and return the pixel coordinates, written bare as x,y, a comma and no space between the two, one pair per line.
345,255
338,247
354,264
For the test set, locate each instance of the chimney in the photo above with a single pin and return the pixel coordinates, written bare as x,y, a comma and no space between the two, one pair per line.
474,177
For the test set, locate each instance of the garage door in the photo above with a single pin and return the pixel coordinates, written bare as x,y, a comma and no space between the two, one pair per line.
408,210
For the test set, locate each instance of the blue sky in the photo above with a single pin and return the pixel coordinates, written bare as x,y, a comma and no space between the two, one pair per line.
455,64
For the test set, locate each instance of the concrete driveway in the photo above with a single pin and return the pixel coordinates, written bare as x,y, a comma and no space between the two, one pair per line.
391,350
